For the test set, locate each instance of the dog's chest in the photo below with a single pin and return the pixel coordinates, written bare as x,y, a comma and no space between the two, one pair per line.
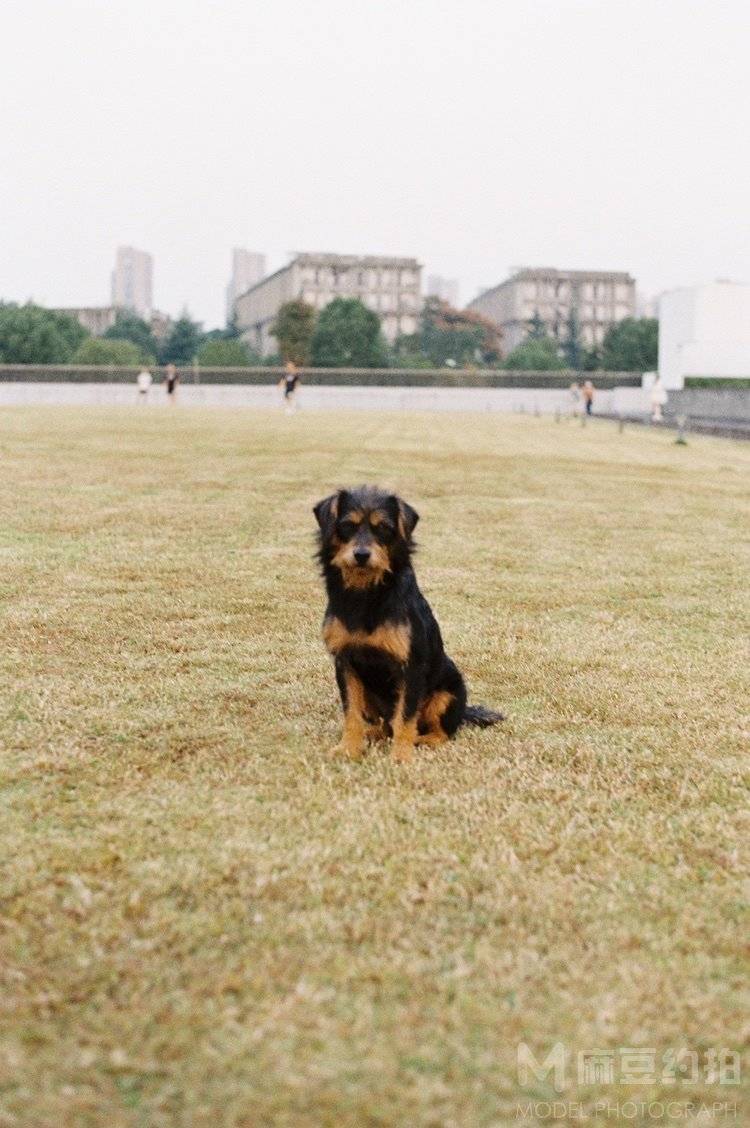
393,639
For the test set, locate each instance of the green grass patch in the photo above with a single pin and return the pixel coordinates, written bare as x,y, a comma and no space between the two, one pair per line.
718,382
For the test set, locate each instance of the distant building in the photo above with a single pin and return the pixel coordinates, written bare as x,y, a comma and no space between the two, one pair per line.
444,288
391,287
132,281
161,325
704,331
247,270
601,298
96,320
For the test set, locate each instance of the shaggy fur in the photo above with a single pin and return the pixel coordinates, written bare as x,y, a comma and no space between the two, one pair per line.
393,674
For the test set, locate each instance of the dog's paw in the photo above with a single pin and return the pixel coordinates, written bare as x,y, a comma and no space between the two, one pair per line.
403,753
347,751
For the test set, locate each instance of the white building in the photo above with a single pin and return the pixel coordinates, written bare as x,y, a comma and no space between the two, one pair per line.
391,287
248,268
132,281
444,288
600,299
704,331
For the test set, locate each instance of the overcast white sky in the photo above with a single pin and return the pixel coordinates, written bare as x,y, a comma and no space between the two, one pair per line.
477,135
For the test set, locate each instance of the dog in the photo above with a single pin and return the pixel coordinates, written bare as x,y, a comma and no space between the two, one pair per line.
393,674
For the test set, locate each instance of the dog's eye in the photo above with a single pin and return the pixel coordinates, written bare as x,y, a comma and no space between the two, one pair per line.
347,529
384,531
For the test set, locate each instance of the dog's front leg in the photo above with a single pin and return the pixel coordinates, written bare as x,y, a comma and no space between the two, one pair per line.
405,718
352,692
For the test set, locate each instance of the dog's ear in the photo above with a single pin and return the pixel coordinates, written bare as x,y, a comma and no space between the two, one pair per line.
327,511
407,518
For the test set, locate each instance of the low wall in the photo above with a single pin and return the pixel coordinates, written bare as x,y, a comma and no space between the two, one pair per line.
360,377
543,401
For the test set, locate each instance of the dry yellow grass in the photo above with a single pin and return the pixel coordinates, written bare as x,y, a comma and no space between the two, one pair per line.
206,922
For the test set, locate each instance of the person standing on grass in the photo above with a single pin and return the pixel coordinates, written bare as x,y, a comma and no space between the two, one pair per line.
658,400
589,391
172,379
288,383
144,381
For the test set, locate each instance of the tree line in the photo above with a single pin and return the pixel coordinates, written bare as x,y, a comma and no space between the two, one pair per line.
630,345
343,334
30,334
346,333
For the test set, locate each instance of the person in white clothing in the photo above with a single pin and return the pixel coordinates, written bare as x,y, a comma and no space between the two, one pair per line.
145,380
658,399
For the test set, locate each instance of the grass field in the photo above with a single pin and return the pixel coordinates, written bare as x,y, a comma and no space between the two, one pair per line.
206,921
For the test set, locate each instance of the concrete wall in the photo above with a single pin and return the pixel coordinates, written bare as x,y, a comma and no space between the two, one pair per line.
545,401
704,331
708,403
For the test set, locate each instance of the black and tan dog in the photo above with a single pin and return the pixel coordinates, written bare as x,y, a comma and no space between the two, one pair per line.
394,677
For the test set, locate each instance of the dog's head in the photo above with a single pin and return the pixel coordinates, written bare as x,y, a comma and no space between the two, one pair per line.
365,534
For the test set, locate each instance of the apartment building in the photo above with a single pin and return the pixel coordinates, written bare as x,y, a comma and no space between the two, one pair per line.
391,287
600,298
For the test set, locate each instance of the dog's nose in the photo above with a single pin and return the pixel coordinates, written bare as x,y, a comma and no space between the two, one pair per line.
362,555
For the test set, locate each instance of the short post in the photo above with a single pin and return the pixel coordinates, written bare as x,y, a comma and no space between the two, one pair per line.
621,423
681,421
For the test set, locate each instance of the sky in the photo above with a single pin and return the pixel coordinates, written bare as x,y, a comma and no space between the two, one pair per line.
476,136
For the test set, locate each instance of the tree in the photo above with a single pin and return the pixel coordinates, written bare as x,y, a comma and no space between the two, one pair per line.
535,356
407,353
463,336
632,345
225,353
347,333
232,329
293,329
129,327
181,344
592,359
572,345
101,350
30,334
537,328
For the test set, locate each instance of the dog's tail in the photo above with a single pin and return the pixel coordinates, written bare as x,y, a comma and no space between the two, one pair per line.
481,717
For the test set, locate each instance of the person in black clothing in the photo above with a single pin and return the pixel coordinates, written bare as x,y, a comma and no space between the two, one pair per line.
288,383
172,379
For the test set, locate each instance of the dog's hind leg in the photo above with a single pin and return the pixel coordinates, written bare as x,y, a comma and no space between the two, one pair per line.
431,729
450,697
